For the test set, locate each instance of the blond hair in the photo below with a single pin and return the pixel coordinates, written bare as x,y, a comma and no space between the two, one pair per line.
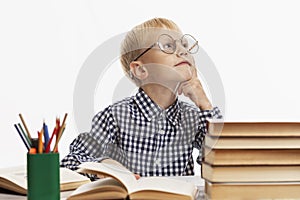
136,39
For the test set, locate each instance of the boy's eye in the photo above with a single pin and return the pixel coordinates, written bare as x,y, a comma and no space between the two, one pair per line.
185,45
168,46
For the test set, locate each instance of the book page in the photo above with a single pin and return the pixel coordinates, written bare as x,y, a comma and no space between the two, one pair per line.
71,180
69,176
18,176
132,185
99,184
195,180
15,175
118,172
164,184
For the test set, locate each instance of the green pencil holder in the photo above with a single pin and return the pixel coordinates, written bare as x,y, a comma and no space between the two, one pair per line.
43,176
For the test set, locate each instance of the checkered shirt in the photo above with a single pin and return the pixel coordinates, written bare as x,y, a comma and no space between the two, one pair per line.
146,139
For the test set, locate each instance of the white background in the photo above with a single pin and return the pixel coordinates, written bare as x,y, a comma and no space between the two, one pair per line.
254,45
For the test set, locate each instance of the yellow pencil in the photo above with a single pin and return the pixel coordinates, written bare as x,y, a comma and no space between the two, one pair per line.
64,120
58,137
59,134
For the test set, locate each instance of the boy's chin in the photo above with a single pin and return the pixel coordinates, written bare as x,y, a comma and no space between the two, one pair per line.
178,77
185,72
185,76
171,75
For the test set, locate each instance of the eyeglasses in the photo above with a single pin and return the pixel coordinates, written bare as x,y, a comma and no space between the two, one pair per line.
168,45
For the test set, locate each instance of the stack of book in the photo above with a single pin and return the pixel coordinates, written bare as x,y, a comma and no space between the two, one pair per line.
252,160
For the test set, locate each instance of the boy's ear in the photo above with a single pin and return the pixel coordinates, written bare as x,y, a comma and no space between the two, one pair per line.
138,70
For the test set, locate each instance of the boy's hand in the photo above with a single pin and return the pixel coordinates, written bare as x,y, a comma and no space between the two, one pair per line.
193,89
137,177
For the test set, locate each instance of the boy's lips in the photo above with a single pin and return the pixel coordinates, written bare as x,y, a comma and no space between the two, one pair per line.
183,63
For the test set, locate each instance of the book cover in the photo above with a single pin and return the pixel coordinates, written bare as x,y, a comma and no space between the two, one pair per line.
256,190
253,129
251,173
251,156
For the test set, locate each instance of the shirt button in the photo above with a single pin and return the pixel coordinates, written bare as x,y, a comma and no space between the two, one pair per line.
161,131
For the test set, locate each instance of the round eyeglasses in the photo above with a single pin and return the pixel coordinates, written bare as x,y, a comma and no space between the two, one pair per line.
167,44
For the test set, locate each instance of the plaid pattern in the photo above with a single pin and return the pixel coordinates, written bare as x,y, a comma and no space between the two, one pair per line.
146,139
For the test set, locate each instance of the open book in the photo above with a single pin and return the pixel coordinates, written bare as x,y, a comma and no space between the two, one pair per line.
120,183
15,179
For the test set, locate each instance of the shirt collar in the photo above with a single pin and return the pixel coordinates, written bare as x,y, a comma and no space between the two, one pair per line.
173,112
151,110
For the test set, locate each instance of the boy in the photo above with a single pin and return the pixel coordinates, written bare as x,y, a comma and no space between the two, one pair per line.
152,133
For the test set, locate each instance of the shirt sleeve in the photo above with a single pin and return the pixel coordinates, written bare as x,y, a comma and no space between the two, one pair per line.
204,115
91,146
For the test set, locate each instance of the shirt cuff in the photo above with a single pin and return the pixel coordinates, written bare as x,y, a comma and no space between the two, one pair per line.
215,113
100,159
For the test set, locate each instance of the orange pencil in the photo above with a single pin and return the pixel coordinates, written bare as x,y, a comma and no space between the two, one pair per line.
40,147
32,151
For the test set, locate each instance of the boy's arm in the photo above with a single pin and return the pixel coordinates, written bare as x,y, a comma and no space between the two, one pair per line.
90,147
204,115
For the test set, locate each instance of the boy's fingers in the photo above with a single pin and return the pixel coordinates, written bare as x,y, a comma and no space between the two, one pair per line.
100,176
180,89
137,177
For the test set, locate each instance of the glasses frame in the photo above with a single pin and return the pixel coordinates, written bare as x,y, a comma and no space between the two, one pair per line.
157,43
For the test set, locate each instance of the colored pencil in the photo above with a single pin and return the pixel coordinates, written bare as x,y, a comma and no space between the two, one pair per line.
24,134
22,137
40,147
24,124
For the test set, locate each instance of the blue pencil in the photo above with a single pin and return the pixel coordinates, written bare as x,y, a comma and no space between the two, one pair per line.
22,137
46,135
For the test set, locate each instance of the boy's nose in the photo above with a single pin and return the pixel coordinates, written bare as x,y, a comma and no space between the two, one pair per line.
180,50
182,54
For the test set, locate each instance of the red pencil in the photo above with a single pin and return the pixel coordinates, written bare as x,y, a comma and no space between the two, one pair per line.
55,131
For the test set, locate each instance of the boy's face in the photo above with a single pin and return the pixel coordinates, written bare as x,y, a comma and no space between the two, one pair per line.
164,68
